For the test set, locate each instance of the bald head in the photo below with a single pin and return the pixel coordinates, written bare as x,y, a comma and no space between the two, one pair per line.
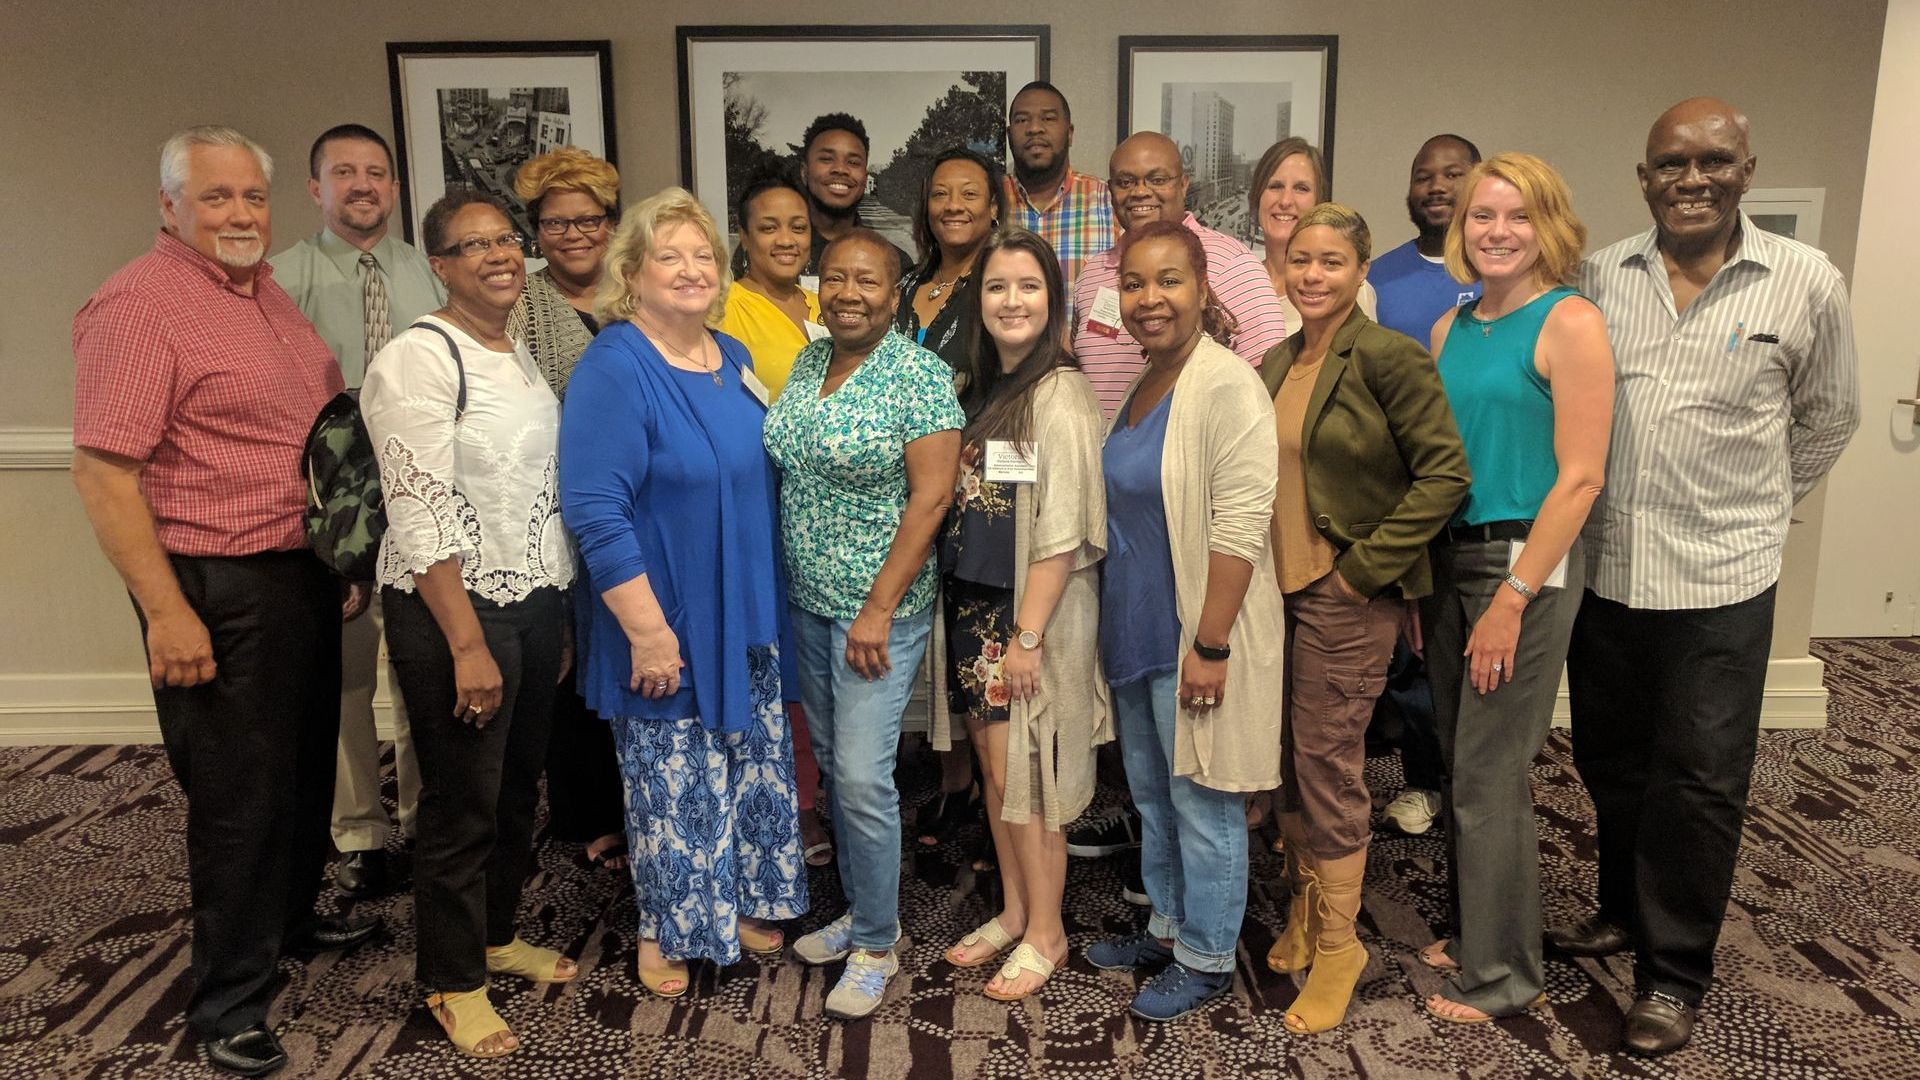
1146,180
1698,166
1707,112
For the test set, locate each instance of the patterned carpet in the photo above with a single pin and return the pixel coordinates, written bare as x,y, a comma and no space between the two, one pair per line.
1819,963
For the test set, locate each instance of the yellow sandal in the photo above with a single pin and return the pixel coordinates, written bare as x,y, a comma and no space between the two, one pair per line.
762,941
530,962
469,1020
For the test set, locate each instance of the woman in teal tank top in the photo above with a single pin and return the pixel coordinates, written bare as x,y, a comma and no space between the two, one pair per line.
1529,375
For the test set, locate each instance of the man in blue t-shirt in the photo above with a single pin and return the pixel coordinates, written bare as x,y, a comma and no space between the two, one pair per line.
1415,290
1414,286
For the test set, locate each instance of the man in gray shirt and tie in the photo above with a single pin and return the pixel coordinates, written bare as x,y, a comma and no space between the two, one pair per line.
1736,391
359,285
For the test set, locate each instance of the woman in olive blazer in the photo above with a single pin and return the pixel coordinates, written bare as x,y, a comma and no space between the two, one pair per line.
1371,468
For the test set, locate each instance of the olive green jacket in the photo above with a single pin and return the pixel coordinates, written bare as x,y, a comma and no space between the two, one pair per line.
1385,468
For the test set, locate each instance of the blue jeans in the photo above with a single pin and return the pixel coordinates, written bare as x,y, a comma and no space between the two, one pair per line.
1193,839
855,724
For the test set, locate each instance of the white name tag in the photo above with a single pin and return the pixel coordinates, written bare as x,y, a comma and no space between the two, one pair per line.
1555,580
816,331
811,283
754,386
1010,462
1104,318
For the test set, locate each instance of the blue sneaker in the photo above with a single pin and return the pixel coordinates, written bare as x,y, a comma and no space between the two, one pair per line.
1178,990
1135,950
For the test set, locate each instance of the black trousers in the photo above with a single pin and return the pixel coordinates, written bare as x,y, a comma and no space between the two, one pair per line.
585,799
1403,717
479,786
1666,715
254,751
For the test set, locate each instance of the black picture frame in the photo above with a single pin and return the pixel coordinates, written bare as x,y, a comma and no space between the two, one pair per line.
704,57
1230,61
584,69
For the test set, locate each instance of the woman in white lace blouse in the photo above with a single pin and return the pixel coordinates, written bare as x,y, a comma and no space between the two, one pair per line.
473,568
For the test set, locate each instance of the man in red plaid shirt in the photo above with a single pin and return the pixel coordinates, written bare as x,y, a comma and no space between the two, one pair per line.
197,382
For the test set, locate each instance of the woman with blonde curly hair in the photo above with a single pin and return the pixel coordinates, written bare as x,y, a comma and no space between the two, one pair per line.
670,494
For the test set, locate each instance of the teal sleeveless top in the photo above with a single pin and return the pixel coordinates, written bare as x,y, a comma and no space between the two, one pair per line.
1504,409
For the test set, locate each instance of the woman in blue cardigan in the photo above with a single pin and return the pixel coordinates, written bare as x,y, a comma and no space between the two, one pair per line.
671,496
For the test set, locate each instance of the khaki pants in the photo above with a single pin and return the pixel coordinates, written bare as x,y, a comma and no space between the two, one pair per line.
360,822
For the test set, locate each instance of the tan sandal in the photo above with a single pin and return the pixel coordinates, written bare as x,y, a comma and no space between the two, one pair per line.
658,980
469,1020
1477,1016
989,933
759,942
1025,959
530,962
1435,956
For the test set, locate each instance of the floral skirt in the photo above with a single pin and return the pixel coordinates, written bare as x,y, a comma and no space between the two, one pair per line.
979,626
712,823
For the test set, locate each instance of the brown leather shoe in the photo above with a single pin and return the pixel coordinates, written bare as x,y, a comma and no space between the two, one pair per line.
1593,937
1656,1025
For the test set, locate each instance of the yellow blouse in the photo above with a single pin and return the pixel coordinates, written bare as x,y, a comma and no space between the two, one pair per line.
770,337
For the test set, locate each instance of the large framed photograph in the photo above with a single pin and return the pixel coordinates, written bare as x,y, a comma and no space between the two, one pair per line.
747,94
470,113
1225,100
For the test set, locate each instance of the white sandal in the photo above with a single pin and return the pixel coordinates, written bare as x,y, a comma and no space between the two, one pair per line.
988,932
1025,959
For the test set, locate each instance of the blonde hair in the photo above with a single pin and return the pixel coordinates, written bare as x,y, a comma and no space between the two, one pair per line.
1342,219
567,169
615,301
1549,205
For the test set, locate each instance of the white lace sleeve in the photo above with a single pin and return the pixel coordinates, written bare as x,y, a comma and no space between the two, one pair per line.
428,520
407,403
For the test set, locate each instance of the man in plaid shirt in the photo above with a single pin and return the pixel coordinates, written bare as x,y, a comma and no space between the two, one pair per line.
1071,210
197,381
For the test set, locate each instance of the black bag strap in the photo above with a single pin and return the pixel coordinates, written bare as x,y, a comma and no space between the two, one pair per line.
460,403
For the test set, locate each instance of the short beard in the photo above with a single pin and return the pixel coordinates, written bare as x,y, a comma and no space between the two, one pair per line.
1419,217
224,253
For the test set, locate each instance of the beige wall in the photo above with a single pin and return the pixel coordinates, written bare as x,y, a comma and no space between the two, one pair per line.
93,88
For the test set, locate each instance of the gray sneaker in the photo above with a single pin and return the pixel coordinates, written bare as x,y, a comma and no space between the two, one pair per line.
829,943
862,985
1412,811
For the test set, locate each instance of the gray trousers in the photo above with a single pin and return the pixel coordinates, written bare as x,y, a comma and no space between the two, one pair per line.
1488,743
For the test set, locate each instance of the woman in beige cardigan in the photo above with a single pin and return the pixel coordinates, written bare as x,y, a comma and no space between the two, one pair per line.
1191,617
1015,645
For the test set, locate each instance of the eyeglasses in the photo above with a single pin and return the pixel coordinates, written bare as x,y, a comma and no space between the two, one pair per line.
474,247
558,226
1158,182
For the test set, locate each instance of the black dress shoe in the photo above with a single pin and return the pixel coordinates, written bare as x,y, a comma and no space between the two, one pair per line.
1594,937
1657,1024
327,935
253,1052
361,873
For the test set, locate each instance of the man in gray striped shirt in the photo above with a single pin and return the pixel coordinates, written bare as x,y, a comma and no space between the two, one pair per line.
1736,392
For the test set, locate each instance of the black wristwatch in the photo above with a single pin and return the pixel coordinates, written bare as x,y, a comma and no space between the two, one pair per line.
1212,652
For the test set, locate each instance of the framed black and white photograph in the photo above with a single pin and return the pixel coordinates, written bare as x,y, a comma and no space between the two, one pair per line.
747,94
1225,100
1791,212
470,113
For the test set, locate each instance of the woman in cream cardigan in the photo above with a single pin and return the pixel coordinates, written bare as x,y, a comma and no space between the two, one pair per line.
1014,646
1190,617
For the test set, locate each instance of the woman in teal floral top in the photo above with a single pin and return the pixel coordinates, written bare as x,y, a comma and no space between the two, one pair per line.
867,438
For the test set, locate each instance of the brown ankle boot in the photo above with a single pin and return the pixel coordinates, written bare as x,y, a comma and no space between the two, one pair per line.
1293,950
1338,956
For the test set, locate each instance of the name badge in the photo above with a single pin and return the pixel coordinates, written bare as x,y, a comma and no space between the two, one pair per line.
1104,318
816,331
1555,580
1009,462
754,386
811,283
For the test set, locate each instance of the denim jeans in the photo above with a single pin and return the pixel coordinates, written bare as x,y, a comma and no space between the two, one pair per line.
1193,839
855,724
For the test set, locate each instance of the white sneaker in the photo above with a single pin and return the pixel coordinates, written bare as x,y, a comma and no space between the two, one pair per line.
1412,811
862,985
829,943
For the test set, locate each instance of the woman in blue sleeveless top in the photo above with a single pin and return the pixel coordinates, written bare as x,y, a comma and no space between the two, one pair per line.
1529,374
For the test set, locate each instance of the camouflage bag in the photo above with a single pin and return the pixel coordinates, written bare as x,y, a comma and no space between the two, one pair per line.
346,515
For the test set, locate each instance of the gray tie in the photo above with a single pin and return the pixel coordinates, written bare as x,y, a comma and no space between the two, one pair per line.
374,305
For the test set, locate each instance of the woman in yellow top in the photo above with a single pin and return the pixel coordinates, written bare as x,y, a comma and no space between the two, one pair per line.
768,309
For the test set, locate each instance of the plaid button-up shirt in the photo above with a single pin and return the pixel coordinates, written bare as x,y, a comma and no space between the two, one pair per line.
213,389
1079,226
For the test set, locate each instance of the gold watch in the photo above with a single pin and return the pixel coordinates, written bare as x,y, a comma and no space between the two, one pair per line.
1026,639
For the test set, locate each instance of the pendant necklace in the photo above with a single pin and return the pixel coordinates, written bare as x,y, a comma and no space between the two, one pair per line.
699,365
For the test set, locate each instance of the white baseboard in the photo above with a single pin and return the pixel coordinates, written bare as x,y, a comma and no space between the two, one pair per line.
40,710
35,448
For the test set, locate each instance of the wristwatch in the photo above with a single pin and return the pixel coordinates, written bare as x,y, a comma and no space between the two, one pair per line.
1026,639
1212,652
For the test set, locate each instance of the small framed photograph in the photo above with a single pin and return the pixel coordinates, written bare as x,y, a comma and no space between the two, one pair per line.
470,113
1225,100
747,94
1791,212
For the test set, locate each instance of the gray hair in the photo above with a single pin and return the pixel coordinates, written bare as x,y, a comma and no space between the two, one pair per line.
173,154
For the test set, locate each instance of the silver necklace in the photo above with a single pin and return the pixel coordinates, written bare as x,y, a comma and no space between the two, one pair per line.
701,365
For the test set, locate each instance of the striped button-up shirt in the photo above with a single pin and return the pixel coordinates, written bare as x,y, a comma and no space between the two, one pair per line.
1079,226
1238,280
1725,415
